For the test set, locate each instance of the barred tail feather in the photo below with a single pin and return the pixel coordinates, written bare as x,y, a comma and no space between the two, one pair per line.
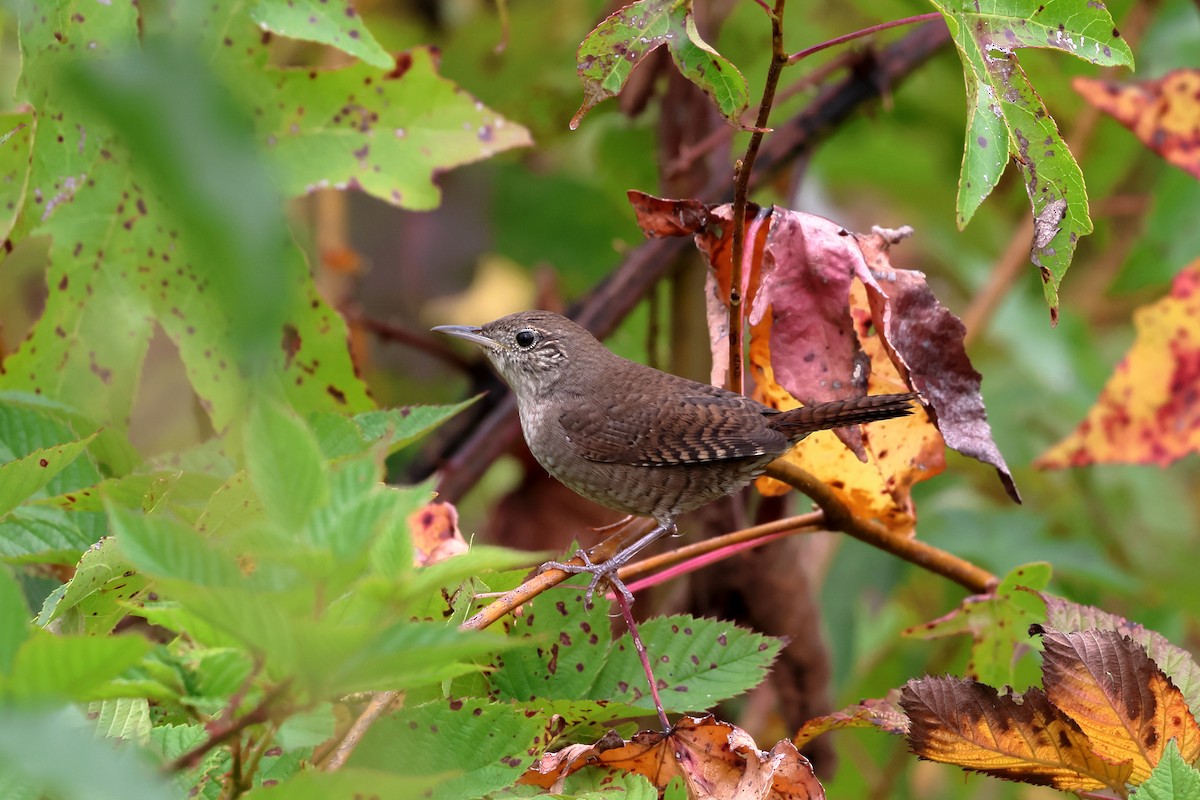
800,422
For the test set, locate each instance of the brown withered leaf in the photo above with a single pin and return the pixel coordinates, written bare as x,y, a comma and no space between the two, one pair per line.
1149,411
1175,662
1118,697
900,452
926,340
659,217
710,227
808,265
881,713
1018,738
715,759
1163,113
435,535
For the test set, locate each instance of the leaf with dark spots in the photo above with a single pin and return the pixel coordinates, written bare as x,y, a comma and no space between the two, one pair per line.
1118,696
25,476
878,713
1018,738
808,265
926,341
711,757
1175,662
416,124
1005,115
998,622
1146,413
611,51
1163,113
331,22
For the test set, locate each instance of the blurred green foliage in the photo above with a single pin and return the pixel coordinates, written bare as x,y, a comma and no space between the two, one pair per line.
1122,538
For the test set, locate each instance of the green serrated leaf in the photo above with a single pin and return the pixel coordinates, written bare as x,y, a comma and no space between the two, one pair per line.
333,23
1005,116
323,129
172,741
285,465
608,55
1172,778
391,428
163,548
23,477
122,718
697,663
495,743
49,667
565,646
36,534
998,623
93,601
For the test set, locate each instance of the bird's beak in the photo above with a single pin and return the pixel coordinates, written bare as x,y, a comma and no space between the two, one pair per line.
468,332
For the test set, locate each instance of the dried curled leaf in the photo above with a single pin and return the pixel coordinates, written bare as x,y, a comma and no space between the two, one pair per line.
1146,413
714,758
814,337
880,713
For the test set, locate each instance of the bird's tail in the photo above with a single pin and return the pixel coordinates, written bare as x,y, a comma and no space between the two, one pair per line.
799,422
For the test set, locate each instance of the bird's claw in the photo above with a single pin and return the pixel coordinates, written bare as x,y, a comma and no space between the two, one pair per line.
605,571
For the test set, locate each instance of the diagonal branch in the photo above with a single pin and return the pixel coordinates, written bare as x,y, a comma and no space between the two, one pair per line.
839,517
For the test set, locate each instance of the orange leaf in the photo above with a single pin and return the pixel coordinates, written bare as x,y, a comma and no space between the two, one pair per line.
1119,698
435,534
1163,113
715,759
1023,738
880,713
1149,411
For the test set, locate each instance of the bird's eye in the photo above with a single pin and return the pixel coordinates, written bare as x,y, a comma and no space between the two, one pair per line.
526,339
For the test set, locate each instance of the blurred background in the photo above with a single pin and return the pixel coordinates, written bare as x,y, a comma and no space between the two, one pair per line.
545,226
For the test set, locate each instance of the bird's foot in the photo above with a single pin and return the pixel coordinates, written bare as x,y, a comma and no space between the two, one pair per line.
604,571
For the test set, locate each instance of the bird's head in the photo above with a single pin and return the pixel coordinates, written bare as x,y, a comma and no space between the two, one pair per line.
532,350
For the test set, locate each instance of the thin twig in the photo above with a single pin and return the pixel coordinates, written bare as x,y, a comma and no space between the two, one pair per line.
640,647
539,583
741,191
692,557
418,340
849,37
259,714
380,702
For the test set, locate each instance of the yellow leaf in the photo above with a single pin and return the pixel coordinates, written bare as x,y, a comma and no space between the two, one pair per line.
1149,411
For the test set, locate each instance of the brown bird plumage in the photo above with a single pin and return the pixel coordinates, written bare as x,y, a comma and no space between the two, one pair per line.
636,439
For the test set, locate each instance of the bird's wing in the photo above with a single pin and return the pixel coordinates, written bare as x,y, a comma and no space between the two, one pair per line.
698,426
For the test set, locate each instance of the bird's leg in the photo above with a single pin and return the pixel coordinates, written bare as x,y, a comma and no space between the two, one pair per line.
607,570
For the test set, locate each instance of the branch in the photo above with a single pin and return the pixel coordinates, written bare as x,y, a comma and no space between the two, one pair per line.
741,193
840,518
259,714
380,703
542,581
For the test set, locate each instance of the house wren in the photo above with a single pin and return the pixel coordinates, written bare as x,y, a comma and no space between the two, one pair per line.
636,439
